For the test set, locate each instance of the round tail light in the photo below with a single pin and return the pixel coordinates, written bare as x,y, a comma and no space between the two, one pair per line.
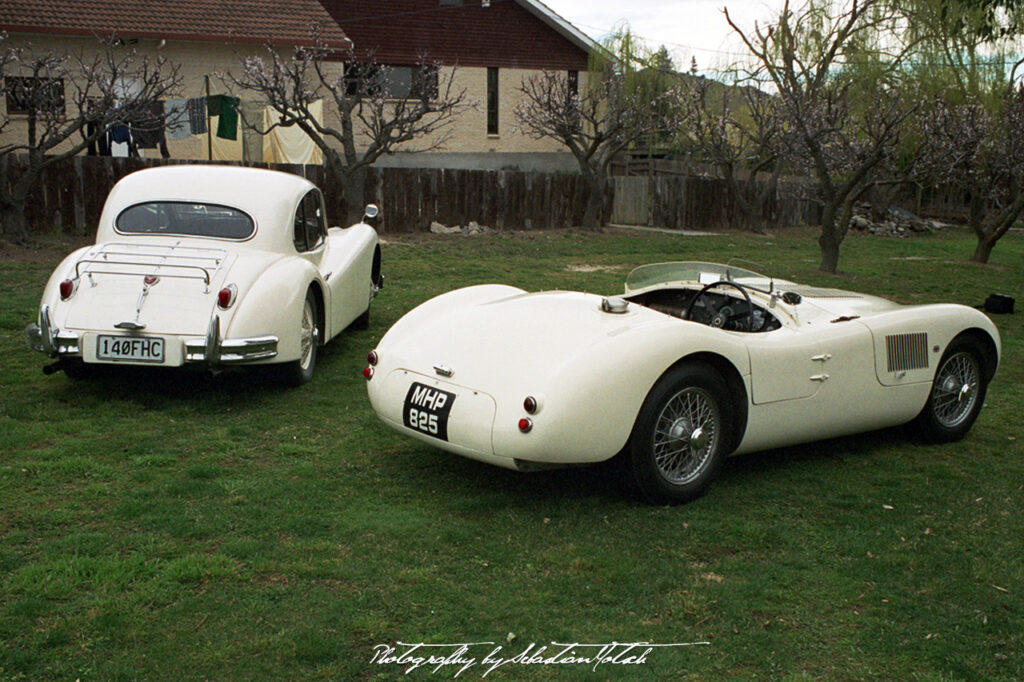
67,287
226,296
368,373
530,404
372,358
525,424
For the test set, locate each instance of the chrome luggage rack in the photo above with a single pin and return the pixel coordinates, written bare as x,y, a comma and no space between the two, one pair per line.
184,262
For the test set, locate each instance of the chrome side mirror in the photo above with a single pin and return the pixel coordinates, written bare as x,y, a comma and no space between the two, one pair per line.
371,211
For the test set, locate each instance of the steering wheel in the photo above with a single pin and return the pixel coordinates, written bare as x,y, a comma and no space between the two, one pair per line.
726,318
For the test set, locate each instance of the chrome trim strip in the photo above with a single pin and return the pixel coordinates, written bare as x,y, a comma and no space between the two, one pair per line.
211,352
34,336
233,350
47,332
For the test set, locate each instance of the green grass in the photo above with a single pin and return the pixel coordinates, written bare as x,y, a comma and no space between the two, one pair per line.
170,526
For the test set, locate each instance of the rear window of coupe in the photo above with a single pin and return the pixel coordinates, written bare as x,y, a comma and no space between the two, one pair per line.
186,219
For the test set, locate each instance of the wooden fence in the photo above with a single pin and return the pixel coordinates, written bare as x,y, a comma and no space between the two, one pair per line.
698,203
70,196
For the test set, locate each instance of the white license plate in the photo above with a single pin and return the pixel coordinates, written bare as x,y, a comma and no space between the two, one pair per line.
130,348
426,410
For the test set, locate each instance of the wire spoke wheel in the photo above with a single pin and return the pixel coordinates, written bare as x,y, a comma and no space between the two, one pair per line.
681,434
307,335
955,391
686,435
300,370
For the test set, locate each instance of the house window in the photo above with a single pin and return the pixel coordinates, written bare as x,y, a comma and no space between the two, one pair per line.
30,94
451,3
393,82
574,82
492,100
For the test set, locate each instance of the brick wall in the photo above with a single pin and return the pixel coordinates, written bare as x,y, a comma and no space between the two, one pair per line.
199,61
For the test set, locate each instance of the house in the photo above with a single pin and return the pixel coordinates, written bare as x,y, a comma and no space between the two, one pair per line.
492,45
203,39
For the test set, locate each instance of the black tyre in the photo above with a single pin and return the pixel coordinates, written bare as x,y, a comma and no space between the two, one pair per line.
957,394
300,371
680,437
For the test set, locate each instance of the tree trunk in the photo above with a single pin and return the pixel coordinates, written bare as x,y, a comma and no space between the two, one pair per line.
595,200
983,250
12,219
353,187
829,241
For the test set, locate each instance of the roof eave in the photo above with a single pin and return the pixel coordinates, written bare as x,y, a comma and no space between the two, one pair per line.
561,25
345,43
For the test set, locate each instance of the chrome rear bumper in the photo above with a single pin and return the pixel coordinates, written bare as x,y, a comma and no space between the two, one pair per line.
212,350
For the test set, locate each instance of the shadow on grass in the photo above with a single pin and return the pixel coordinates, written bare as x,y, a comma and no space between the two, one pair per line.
143,383
767,462
611,481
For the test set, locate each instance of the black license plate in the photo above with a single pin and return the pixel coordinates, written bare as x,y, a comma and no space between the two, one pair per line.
130,348
426,410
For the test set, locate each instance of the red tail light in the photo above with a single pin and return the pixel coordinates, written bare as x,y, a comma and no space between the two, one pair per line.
530,404
368,373
372,358
226,296
67,287
525,424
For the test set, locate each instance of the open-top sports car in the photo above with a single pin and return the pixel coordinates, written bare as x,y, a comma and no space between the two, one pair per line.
694,362
211,266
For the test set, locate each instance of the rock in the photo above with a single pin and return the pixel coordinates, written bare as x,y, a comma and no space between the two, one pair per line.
475,228
438,228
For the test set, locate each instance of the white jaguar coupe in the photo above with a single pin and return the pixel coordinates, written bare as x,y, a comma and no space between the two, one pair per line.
694,362
210,266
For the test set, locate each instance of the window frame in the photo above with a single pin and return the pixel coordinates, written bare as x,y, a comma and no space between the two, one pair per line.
301,221
493,122
15,97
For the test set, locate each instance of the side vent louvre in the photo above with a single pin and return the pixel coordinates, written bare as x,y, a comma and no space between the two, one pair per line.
907,351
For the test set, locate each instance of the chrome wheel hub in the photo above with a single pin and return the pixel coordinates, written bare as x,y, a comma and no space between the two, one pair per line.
956,389
686,435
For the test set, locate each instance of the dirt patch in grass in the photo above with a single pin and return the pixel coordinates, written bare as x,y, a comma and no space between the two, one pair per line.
45,249
588,267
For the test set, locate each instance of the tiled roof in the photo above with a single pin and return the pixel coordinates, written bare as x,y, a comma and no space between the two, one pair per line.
278,21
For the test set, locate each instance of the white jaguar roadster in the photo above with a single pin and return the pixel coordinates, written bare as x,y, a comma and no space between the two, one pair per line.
209,266
694,362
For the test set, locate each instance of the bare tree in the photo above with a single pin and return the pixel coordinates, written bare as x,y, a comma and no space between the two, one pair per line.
65,102
596,119
982,153
838,128
375,117
735,138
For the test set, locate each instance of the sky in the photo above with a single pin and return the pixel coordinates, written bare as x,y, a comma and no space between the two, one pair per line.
688,28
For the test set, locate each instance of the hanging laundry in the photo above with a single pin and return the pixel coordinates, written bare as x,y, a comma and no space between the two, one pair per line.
225,108
176,119
197,122
120,134
291,144
149,131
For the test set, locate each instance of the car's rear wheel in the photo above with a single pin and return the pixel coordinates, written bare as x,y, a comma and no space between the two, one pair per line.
680,436
300,371
957,394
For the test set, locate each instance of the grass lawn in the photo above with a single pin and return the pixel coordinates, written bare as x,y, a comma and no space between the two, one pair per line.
170,526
